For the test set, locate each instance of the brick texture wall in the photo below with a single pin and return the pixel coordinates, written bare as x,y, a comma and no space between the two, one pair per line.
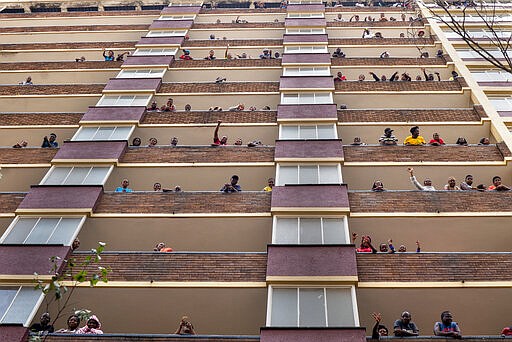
209,117
241,87
59,65
43,119
27,155
410,115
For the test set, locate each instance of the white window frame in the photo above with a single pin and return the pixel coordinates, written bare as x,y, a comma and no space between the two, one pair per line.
307,71
352,296
124,100
305,2
344,226
472,54
307,98
305,31
18,218
298,166
503,101
48,174
299,126
177,17
114,128
305,15
141,73
155,52
184,4
166,33
306,49
31,313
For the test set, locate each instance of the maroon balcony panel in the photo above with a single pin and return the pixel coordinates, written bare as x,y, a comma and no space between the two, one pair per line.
117,114
57,198
91,150
305,22
306,58
310,196
133,84
149,60
311,261
313,334
298,112
13,333
161,41
316,149
171,24
181,10
505,113
25,260
495,84
305,38
306,82
310,8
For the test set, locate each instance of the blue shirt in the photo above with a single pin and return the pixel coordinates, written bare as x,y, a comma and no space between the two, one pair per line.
121,189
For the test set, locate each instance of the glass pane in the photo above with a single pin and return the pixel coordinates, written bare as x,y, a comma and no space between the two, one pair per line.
23,305
308,174
284,308
7,294
500,104
86,133
312,308
323,98
77,176
310,231
103,133
339,307
307,98
57,176
96,176
121,133
286,231
308,132
20,230
140,101
290,99
334,231
326,132
329,174
124,100
289,132
288,175
108,101
42,231
65,231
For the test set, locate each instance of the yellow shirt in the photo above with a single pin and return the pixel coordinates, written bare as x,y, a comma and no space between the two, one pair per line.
411,141
267,188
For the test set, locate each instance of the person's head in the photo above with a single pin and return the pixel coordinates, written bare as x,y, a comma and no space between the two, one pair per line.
402,249
170,101
212,36
125,183
76,244
446,317
357,141
211,53
469,179
186,52
451,182
238,142
439,53
455,74
153,141
159,246
435,136
270,182
496,180
382,330
366,241
73,322
402,35
415,131
377,184
277,55
356,17
361,77
177,188
383,78
418,78
157,187
339,74
421,34
378,35
45,318
174,141
136,141
188,107
241,106
23,143
484,141
224,140
53,136
92,323
461,141
405,317
383,248
234,179
154,105
29,79
427,182
339,15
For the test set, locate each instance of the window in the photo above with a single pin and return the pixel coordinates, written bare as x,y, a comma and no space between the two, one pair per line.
310,230
472,54
502,104
155,52
305,15
77,175
306,98
177,17
480,34
43,230
304,2
305,49
18,304
141,73
184,4
167,33
492,76
124,100
293,132
86,133
312,307
305,31
307,71
308,174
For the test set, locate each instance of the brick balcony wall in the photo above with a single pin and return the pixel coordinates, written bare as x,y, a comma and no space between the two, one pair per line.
372,86
387,61
241,10
39,119
79,14
227,87
27,155
81,28
70,46
366,24
224,63
410,115
60,65
210,26
52,89
152,118
184,203
381,41
234,42
9,201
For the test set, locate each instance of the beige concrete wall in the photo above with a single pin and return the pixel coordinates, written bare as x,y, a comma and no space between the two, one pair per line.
68,55
404,100
228,18
230,311
203,102
438,234
232,75
227,234
76,76
397,178
252,178
394,51
4,223
479,311
251,51
204,135
387,32
60,104
347,15
238,33
34,136
352,72
75,21
20,179
71,37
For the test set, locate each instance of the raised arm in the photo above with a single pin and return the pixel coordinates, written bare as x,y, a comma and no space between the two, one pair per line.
375,77
216,132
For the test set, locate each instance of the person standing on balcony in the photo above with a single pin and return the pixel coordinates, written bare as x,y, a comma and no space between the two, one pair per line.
185,328
404,327
427,183
415,139
447,327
